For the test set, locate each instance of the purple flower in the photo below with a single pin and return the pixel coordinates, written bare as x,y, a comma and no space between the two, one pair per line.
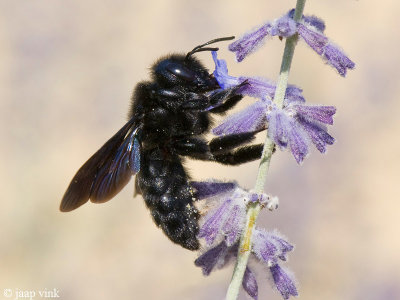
216,257
309,28
315,39
250,86
226,220
337,59
270,247
325,48
207,189
220,256
293,127
267,248
283,282
248,43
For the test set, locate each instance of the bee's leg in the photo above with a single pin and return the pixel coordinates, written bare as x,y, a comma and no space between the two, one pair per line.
218,101
222,149
226,143
227,105
240,156
193,147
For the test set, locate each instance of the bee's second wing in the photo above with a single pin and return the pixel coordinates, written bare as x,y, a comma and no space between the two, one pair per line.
107,171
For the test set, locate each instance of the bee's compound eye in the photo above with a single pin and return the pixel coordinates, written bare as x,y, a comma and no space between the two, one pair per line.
180,71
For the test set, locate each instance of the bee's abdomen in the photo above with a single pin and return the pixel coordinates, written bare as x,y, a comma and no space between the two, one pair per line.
165,188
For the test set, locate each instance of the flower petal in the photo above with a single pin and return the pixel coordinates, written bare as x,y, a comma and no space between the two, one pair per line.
321,113
264,247
250,119
298,141
224,80
316,40
234,224
257,87
318,134
249,284
277,128
283,282
208,260
214,221
337,59
206,189
250,41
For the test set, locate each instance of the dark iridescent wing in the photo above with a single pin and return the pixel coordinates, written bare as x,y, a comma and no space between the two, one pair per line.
107,171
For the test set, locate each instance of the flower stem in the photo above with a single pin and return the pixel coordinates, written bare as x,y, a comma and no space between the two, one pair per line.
254,208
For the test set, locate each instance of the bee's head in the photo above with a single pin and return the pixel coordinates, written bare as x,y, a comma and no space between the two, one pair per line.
186,70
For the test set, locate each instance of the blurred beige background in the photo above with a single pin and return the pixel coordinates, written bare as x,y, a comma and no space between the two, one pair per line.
67,69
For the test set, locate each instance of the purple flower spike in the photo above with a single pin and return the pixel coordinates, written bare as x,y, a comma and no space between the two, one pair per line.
250,284
337,59
252,118
283,282
249,42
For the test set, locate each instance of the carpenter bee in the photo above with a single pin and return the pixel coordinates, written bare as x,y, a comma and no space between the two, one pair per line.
168,118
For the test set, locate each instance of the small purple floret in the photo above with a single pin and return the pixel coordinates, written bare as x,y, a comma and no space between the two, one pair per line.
320,113
316,40
210,259
318,134
294,127
224,80
310,29
226,220
329,52
206,189
337,59
270,247
284,131
251,86
249,42
283,282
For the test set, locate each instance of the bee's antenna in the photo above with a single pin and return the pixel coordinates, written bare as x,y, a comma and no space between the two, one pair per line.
200,47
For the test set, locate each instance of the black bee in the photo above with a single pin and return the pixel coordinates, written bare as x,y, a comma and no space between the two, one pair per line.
167,120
